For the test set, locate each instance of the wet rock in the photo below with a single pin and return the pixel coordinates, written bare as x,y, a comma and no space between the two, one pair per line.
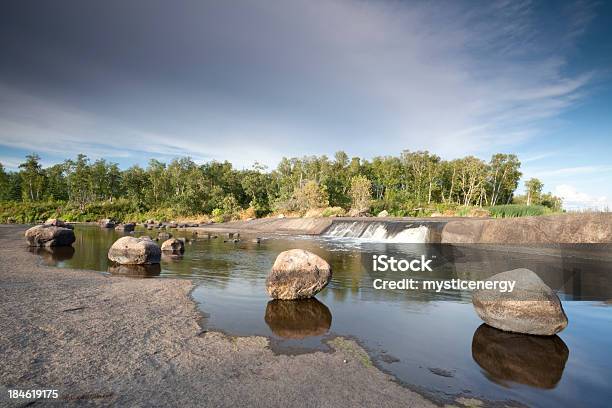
173,245
134,251
136,271
297,274
127,227
383,213
49,235
256,240
164,236
531,308
55,222
106,223
512,357
297,319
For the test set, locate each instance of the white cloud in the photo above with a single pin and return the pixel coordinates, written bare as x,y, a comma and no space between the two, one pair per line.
576,200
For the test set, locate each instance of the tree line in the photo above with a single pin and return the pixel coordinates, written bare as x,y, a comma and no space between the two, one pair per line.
401,184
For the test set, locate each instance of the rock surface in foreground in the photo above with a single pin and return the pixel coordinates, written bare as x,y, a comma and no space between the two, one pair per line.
297,274
531,308
134,251
49,235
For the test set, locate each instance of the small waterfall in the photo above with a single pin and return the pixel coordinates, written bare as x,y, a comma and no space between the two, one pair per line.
378,231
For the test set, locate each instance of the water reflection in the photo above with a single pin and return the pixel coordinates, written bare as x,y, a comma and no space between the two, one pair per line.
506,357
54,254
136,271
298,319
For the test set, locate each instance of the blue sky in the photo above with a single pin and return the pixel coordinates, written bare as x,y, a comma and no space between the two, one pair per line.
255,81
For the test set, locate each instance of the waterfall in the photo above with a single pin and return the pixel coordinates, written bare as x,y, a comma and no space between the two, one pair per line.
378,231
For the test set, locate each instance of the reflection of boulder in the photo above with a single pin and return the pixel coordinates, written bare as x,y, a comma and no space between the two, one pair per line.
55,254
136,271
532,360
297,319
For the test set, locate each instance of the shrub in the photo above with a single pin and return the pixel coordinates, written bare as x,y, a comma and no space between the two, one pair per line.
518,210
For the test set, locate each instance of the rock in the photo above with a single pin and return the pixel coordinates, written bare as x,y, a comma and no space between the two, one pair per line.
531,308
512,357
55,222
297,319
49,235
173,245
256,240
106,223
297,274
383,213
134,251
127,227
280,216
164,236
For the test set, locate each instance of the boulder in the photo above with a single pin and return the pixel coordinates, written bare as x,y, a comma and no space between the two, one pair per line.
49,235
354,212
173,245
531,308
162,236
127,227
134,251
55,222
383,213
297,274
106,223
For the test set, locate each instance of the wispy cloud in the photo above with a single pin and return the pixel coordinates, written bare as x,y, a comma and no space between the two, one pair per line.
255,81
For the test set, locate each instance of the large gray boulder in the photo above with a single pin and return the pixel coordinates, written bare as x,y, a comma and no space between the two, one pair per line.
297,274
49,235
531,308
134,251
173,245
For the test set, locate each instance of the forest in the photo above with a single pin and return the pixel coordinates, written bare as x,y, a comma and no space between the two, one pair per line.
414,183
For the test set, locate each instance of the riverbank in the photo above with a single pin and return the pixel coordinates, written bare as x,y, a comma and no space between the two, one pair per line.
113,341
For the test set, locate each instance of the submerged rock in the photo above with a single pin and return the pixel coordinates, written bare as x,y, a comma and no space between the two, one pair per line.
297,274
532,360
531,308
49,235
297,319
173,245
134,251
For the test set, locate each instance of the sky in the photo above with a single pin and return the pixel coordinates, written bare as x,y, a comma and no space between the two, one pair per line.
250,81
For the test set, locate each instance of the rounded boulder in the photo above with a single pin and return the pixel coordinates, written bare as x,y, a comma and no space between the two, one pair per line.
49,235
134,251
531,308
297,274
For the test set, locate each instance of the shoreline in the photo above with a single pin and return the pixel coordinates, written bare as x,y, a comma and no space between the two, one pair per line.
106,340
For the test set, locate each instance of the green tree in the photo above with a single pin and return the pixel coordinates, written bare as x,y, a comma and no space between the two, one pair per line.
533,187
361,193
32,178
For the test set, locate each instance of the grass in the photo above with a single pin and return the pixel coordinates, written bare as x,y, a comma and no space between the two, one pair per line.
518,210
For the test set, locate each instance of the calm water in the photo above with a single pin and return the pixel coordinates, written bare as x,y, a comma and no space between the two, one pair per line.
432,342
